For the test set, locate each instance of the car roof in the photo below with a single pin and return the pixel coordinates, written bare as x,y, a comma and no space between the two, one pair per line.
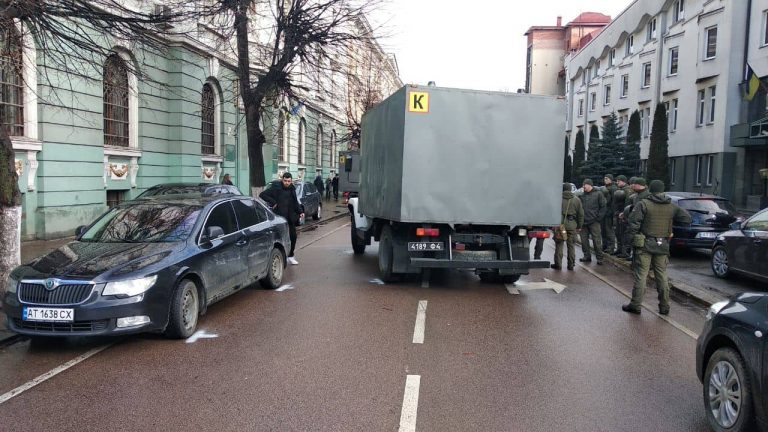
693,195
181,184
194,198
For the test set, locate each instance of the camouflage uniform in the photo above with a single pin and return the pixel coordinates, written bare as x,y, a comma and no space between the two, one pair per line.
594,212
620,201
573,218
608,224
652,218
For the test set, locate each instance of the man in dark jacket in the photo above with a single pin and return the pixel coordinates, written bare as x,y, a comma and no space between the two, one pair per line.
335,186
572,215
593,202
284,202
608,225
319,184
650,226
620,197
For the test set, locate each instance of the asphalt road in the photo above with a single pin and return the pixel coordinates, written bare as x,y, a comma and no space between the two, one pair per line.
334,351
694,268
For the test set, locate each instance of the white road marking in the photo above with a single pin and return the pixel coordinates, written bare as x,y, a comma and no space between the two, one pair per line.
425,283
324,236
285,288
530,286
201,334
376,281
410,404
421,317
512,289
51,373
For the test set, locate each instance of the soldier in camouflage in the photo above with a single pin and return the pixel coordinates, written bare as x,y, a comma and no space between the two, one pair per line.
650,225
608,226
593,202
620,201
572,216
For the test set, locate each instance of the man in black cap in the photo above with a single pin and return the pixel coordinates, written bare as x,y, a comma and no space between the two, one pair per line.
284,202
650,225
607,225
226,180
593,202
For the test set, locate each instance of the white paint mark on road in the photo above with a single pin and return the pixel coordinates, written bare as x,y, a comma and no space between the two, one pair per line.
285,288
410,404
376,281
421,318
425,283
201,334
530,286
51,373
512,289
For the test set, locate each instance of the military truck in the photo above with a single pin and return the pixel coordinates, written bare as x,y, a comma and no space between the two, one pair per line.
454,178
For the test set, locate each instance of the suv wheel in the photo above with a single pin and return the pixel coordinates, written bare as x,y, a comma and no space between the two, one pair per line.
728,393
720,262
185,309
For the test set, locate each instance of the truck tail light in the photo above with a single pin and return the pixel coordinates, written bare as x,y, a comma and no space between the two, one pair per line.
427,232
538,234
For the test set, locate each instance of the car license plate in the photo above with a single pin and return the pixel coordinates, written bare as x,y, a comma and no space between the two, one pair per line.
48,314
707,235
425,246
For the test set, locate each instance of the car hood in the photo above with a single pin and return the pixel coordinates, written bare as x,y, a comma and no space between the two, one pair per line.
102,261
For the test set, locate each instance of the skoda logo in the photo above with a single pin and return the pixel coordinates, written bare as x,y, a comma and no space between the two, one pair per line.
50,284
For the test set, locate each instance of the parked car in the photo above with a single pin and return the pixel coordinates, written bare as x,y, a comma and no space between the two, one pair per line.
711,215
744,249
185,188
732,365
149,266
308,196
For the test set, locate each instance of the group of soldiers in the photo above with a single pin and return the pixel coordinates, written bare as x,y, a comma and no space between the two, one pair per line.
628,219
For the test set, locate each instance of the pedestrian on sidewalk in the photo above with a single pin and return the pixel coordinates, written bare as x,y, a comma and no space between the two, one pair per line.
227,180
608,225
328,182
319,184
593,202
284,202
572,217
335,185
619,203
650,225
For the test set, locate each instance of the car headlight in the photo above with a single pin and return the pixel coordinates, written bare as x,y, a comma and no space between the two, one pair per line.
13,285
715,309
130,287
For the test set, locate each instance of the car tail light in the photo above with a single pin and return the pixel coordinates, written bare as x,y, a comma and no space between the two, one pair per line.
427,232
346,197
538,234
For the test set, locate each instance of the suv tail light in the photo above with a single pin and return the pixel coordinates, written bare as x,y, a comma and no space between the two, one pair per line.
427,232
538,234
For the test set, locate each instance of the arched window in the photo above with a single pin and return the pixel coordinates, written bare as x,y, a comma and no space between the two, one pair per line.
319,147
281,136
116,124
302,140
11,82
208,114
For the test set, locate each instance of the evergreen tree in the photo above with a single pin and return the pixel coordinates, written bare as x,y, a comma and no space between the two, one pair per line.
594,167
658,165
578,158
567,164
612,147
631,156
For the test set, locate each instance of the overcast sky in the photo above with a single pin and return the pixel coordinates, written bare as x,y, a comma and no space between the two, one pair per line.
478,44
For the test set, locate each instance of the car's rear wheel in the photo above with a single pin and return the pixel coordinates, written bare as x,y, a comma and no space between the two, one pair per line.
319,213
275,268
728,393
720,262
185,310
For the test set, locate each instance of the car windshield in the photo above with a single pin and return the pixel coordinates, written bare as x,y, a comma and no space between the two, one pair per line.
144,223
708,206
171,190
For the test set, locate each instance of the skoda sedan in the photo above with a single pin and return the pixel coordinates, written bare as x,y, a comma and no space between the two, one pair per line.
149,265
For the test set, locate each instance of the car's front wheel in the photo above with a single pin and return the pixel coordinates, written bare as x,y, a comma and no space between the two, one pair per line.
728,393
185,309
275,268
720,262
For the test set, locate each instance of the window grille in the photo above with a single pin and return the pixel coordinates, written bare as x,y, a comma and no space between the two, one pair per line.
115,102
208,118
11,82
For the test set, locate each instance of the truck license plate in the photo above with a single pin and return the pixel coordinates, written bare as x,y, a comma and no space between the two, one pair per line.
48,314
425,246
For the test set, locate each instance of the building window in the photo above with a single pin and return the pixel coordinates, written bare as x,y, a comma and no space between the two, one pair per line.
282,136
624,85
607,94
673,59
678,11
11,81
629,47
593,101
712,96
612,58
597,69
672,170
115,197
673,116
764,40
699,163
710,169
302,140
208,118
710,50
646,75
319,147
584,77
116,121
702,111
651,30
581,107
645,121
334,155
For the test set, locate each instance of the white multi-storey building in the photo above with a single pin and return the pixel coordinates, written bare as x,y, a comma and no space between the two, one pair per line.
690,55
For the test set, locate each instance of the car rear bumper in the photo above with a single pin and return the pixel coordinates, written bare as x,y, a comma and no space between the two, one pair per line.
500,264
693,243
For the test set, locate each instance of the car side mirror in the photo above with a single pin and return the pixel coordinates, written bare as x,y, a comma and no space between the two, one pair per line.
79,231
736,226
212,233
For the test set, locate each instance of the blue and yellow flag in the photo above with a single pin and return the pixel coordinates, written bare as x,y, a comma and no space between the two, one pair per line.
753,84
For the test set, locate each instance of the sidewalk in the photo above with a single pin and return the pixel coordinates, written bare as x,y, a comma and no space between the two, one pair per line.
33,249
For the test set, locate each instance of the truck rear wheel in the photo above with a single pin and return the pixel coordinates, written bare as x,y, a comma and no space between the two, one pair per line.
386,255
358,246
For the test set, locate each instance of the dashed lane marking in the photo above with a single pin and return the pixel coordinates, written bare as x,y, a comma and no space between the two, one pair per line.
51,373
200,334
410,404
285,288
421,318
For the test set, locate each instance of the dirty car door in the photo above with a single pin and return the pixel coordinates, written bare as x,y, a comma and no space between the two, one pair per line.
221,260
258,232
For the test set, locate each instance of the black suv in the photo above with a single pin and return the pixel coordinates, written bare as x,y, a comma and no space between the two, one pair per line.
710,215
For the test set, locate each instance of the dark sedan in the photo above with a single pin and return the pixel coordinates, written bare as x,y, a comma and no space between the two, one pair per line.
149,265
710,214
743,250
732,364
308,196
193,188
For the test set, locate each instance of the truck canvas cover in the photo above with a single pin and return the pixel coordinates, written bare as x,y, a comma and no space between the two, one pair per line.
440,155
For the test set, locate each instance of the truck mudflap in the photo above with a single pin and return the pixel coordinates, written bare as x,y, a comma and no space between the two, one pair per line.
521,265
